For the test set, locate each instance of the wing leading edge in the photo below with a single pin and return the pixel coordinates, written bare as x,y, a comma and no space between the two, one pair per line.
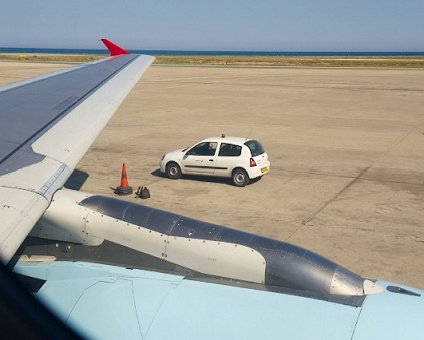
46,126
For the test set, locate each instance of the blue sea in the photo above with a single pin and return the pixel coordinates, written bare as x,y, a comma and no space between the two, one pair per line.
213,53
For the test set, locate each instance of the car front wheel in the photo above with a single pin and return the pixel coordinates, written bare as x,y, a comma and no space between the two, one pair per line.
173,170
240,178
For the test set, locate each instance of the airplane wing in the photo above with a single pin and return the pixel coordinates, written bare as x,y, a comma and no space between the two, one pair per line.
46,126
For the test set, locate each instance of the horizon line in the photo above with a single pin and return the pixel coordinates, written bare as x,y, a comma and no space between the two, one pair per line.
100,50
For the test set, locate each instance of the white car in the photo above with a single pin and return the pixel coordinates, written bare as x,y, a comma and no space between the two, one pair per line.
240,159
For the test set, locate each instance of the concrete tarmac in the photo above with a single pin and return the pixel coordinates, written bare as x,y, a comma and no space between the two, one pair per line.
346,148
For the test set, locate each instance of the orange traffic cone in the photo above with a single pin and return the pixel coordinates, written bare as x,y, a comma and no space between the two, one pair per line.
124,188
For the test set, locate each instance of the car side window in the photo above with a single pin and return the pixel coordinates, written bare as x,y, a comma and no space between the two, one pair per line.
229,150
203,149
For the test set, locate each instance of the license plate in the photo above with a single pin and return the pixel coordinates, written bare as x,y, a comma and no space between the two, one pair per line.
264,169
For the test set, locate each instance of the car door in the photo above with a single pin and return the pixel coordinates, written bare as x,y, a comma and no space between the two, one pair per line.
228,157
200,159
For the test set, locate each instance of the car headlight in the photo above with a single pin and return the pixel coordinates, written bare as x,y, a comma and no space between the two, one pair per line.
162,157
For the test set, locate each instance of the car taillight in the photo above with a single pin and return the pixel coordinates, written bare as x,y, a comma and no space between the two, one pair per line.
252,162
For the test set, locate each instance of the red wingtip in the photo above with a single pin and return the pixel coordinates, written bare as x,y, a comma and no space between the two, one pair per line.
113,48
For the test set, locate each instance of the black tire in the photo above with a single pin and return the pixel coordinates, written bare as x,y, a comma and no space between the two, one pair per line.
173,170
240,178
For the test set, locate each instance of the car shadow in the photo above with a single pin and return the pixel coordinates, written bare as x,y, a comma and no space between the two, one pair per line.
198,178
158,173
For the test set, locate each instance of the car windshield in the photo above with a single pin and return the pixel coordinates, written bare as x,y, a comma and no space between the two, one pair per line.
255,147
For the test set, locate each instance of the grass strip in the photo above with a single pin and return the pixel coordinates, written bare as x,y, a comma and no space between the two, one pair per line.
295,61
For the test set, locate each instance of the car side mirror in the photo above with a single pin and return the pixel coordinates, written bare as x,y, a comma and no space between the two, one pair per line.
186,155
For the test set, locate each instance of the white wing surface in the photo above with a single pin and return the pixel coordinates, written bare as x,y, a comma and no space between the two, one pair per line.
46,126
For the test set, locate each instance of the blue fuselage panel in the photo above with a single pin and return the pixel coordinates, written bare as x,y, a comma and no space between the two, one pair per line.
110,302
392,315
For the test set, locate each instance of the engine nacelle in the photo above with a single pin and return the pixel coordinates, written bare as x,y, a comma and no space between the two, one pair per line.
203,247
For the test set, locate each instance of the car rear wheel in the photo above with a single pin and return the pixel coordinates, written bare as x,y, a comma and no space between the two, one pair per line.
173,170
240,178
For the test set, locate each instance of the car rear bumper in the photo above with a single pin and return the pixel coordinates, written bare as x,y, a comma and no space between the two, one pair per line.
258,170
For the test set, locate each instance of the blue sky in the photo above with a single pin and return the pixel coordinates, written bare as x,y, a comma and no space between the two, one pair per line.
297,25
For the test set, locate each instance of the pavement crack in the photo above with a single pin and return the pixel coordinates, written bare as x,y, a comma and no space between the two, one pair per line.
347,186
